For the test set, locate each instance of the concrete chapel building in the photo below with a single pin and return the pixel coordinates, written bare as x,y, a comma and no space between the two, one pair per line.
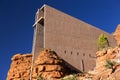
72,39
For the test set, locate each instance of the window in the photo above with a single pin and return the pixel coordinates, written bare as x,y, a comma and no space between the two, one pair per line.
83,54
71,52
65,51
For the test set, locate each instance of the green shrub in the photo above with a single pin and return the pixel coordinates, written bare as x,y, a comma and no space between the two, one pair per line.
110,65
40,77
70,77
43,49
102,42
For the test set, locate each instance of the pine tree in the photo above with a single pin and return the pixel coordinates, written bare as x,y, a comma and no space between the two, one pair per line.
102,42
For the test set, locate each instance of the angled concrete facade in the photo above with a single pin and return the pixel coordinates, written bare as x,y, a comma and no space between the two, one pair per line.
74,40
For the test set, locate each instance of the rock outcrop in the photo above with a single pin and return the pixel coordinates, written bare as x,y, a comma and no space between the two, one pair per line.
104,73
20,67
48,65
117,35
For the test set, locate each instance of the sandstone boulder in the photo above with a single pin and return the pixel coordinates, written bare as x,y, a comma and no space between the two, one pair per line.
20,67
48,65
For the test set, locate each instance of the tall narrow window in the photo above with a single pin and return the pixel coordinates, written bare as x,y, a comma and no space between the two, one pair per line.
71,52
83,54
83,67
65,51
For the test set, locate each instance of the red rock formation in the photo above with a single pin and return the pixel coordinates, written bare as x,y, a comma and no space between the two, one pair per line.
103,73
47,64
117,35
20,67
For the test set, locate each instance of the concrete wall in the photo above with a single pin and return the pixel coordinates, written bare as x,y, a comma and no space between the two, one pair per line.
38,43
73,40
39,39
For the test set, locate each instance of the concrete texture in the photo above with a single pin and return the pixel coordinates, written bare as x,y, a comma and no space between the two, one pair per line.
73,40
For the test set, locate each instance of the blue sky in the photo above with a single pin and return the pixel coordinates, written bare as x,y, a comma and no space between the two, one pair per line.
17,18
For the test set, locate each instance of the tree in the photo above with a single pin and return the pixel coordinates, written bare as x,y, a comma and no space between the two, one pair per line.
110,65
102,42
